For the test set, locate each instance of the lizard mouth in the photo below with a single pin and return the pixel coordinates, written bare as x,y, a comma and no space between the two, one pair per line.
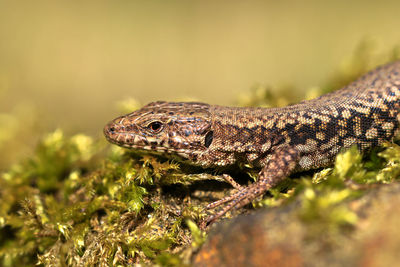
117,134
126,136
130,136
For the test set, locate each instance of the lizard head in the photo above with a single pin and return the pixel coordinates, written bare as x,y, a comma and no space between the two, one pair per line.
182,128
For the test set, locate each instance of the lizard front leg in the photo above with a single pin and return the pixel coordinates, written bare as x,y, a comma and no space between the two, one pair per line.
281,163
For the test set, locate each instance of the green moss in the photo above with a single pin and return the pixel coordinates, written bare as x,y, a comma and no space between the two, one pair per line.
67,202
323,198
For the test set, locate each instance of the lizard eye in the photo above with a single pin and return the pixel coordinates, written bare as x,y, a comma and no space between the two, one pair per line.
155,126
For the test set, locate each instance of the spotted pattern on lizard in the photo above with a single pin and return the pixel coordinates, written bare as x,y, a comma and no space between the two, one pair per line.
280,141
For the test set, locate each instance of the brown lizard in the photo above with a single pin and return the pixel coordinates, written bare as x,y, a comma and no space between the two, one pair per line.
278,140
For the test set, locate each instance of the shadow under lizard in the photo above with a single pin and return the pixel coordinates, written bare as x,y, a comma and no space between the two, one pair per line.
280,141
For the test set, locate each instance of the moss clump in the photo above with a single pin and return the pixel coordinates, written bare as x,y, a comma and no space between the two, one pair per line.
68,206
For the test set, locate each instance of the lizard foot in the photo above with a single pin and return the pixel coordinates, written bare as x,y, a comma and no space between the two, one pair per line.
279,166
234,201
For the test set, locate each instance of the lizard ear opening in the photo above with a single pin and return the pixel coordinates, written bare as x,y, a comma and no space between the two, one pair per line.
209,138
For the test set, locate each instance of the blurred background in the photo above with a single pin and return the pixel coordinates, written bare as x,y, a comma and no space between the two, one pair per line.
68,64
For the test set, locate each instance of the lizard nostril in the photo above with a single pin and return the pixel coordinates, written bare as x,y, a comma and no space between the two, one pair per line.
111,129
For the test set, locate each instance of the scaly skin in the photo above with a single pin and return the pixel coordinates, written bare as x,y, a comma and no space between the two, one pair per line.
278,140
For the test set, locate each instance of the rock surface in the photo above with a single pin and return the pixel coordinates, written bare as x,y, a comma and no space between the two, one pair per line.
279,237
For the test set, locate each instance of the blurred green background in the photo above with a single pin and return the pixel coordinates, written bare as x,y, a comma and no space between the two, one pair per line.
66,64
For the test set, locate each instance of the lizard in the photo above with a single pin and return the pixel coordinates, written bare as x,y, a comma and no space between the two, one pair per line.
279,141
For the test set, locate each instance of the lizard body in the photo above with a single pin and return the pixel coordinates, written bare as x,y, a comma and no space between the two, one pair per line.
278,140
